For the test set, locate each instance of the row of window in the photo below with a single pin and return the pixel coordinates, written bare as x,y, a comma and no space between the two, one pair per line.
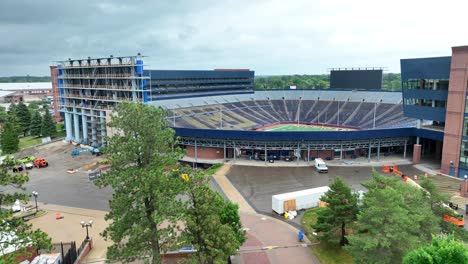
426,84
425,102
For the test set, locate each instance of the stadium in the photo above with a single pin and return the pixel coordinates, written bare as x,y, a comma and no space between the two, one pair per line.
218,116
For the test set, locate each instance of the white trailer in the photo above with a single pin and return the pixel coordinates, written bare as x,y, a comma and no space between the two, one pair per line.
294,201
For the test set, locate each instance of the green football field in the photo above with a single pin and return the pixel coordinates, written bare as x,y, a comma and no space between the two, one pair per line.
293,127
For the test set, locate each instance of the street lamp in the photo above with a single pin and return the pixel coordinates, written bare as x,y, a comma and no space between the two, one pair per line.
88,224
35,194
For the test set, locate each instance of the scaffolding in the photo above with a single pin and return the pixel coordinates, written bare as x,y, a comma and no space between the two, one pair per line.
90,88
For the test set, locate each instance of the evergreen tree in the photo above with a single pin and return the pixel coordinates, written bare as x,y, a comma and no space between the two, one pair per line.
394,219
12,108
341,211
24,117
48,128
214,240
36,124
145,207
9,137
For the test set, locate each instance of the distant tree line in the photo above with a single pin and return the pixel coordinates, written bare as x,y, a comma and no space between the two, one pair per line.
27,78
391,81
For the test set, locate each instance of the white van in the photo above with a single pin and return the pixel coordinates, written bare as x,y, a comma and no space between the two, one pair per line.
320,165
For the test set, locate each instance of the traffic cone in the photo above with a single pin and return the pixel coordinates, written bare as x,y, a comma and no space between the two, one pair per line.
58,216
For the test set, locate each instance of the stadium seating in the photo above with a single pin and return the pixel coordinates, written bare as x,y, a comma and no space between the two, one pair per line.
250,111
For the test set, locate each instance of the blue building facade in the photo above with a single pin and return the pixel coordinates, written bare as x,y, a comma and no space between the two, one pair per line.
170,84
425,87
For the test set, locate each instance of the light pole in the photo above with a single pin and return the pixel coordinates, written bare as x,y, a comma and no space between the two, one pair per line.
88,224
35,194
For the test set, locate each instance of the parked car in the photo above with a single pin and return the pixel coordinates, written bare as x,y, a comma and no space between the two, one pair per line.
320,165
18,168
29,165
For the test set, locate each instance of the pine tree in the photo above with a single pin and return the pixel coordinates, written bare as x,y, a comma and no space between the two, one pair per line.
48,128
9,137
24,117
145,208
342,210
12,108
36,124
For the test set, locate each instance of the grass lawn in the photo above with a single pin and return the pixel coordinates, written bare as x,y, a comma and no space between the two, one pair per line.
293,127
26,142
327,253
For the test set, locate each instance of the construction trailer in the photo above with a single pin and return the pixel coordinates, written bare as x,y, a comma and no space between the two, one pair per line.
298,200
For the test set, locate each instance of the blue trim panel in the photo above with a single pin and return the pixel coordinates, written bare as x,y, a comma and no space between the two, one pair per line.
425,112
426,94
437,68
309,136
429,134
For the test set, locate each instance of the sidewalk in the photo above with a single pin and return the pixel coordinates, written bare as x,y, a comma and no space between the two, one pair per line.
69,228
228,189
269,240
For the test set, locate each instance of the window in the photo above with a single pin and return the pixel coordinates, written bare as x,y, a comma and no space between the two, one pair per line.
464,151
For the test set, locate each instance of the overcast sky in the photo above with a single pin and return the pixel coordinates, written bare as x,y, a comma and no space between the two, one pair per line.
271,37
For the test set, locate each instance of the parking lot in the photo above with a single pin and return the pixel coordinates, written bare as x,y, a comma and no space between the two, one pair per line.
257,184
56,186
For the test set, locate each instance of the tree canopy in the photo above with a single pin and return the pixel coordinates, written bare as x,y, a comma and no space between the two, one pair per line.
36,124
15,232
48,128
145,207
213,225
443,250
9,137
27,78
24,117
390,81
394,219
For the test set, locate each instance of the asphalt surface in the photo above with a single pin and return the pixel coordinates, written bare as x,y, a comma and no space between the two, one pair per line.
56,186
258,184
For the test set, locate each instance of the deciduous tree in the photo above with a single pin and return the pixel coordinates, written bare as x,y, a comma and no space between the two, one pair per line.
443,250
341,211
145,208
14,232
394,219
214,234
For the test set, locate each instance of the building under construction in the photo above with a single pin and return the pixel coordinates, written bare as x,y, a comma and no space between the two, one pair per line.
88,89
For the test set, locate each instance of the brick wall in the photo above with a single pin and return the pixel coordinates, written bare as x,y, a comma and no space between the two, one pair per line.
205,153
455,109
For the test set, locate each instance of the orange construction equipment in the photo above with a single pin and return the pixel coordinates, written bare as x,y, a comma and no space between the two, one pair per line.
454,220
392,168
40,163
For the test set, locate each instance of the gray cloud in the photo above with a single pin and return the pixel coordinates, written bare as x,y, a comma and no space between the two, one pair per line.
269,36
